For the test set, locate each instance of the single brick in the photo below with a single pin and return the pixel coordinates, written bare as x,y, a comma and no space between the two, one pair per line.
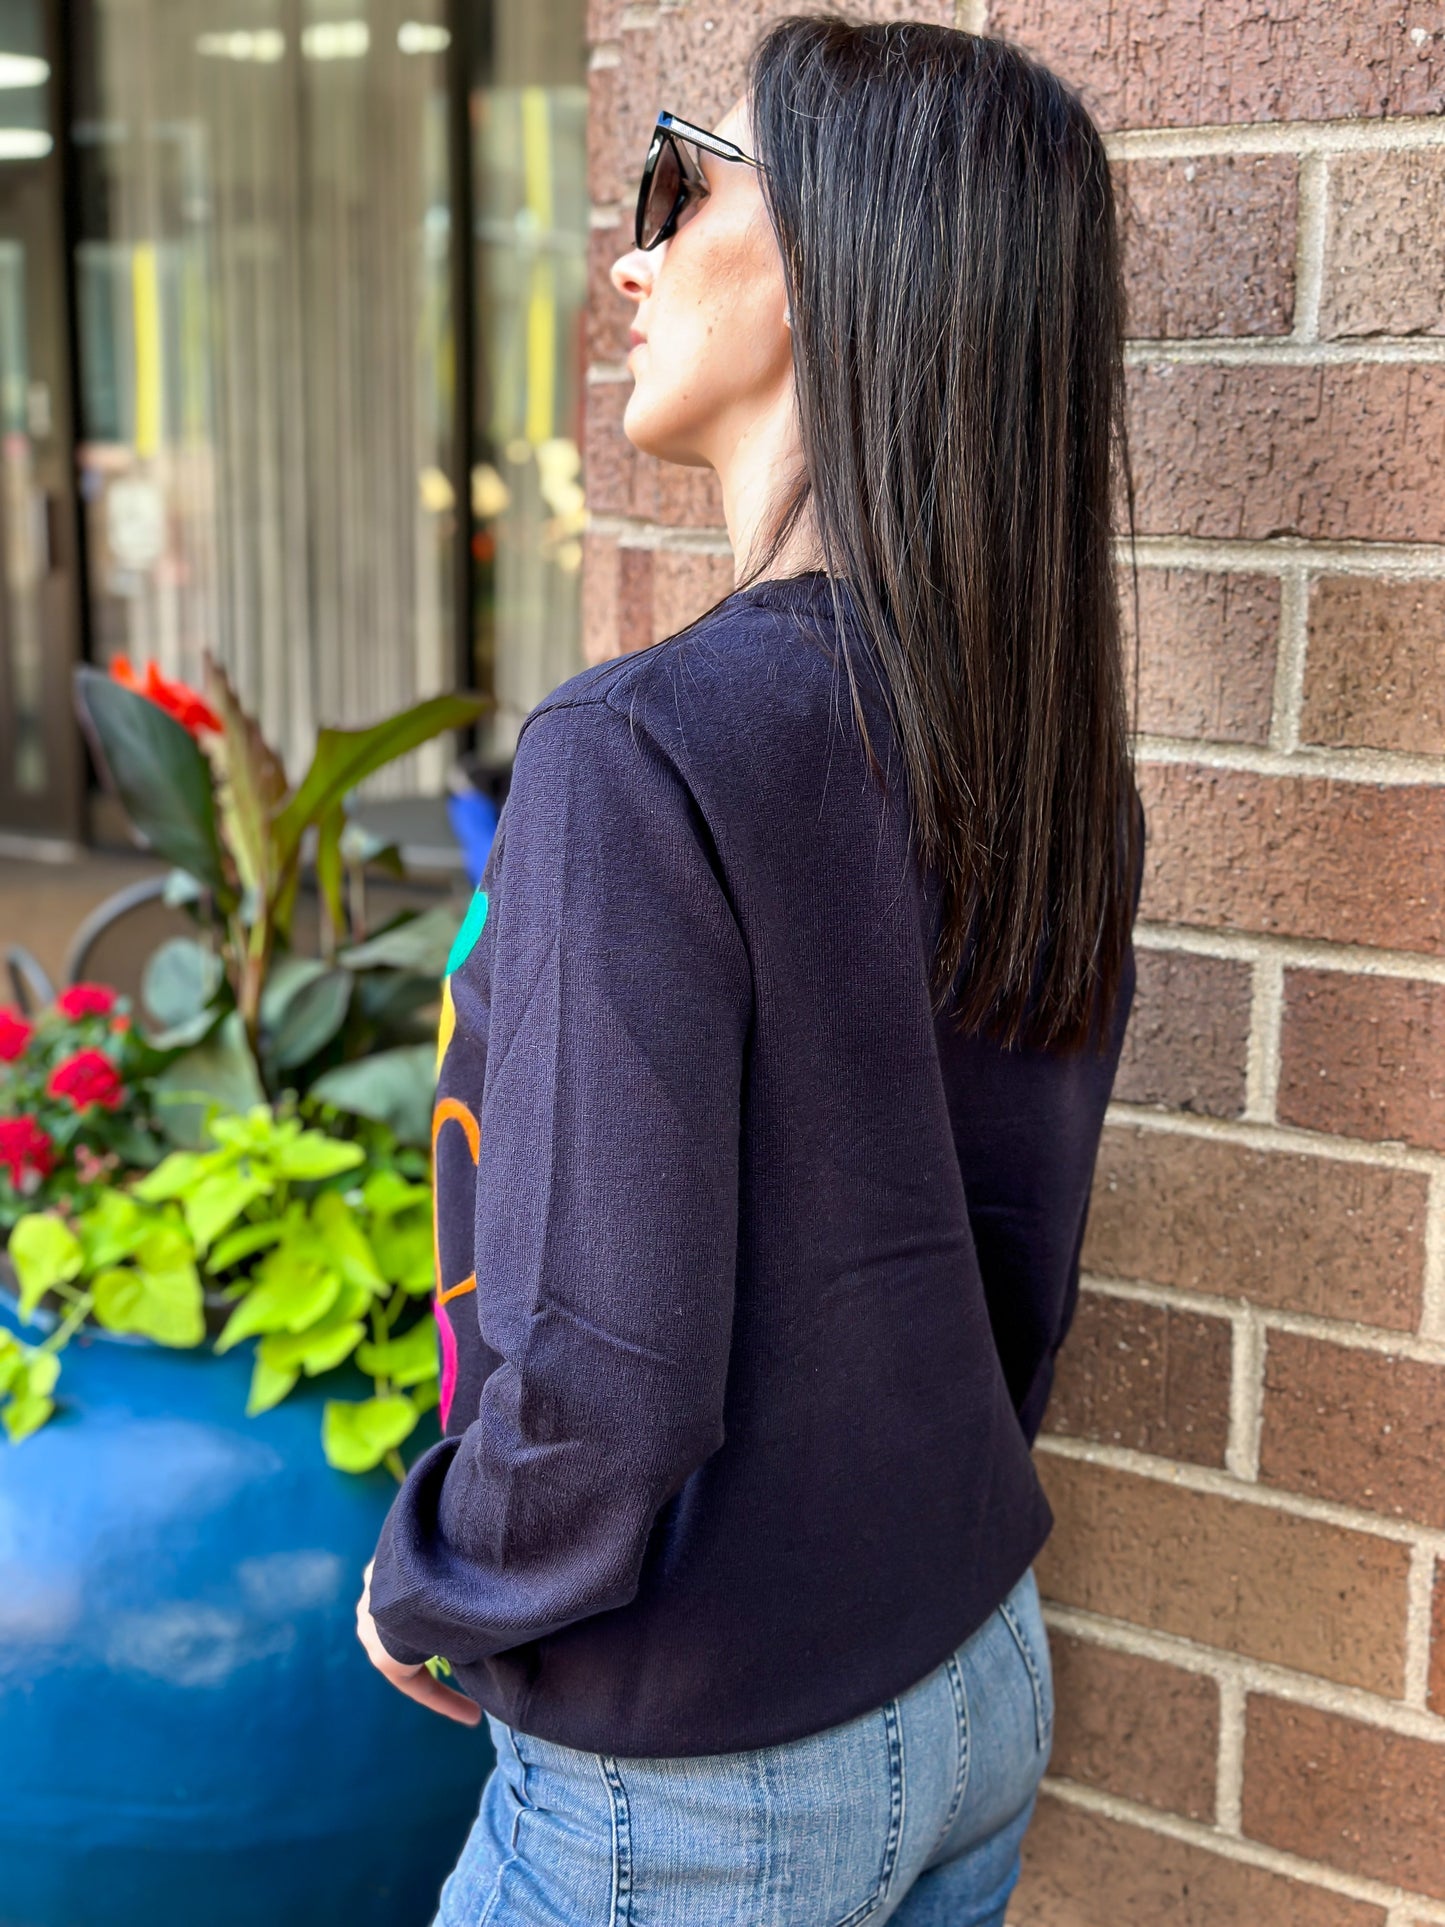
1134,1727
1350,1795
1230,1573
1151,1377
1300,1233
1329,450
1083,1869
1188,1033
1295,856
1435,1691
1384,266
1364,1056
1173,63
1207,646
1361,1427
1375,668
1209,244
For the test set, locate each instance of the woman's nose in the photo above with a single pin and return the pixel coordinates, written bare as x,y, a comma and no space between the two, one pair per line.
632,275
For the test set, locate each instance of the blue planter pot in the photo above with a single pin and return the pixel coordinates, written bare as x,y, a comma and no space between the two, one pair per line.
189,1731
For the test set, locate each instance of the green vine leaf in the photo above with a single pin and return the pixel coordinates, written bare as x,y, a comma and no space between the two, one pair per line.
357,1437
159,1296
45,1252
407,1360
268,1386
288,1299
318,1350
313,1156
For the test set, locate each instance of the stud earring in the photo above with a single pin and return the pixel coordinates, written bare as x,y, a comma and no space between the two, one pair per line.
787,317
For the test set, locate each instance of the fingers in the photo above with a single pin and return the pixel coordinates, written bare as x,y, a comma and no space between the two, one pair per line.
426,1691
415,1681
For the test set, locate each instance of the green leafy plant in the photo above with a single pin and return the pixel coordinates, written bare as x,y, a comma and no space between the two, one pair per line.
250,1017
315,1248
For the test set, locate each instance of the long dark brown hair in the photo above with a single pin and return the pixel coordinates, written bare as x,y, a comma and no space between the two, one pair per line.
945,214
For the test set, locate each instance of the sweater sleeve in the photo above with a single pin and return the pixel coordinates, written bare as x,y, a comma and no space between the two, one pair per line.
605,1228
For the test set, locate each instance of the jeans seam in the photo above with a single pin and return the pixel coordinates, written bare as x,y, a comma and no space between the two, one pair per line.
525,1795
620,1914
893,1725
509,1859
1021,1641
961,1735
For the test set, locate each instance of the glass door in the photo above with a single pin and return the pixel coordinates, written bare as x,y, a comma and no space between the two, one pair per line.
39,781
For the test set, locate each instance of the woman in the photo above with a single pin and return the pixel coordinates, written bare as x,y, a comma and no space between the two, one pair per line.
777,1045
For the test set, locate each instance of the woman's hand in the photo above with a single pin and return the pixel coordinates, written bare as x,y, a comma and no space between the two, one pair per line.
415,1681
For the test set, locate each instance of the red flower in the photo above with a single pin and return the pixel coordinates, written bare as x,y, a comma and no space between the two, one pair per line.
15,1034
26,1151
87,1078
188,706
86,1000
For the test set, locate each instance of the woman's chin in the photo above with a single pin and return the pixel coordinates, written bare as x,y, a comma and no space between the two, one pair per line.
644,425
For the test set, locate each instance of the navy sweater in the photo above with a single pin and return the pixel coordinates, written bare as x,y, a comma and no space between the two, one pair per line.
750,1273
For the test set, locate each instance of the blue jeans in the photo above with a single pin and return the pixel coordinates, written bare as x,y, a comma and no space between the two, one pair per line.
912,1813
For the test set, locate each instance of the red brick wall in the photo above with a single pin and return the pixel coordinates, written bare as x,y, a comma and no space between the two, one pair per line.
1246,1453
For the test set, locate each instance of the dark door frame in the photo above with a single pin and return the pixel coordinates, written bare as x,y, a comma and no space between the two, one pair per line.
39,195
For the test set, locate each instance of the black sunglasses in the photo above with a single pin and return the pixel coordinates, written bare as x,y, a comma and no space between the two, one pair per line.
672,176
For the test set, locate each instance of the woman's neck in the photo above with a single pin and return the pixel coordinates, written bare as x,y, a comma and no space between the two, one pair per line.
762,461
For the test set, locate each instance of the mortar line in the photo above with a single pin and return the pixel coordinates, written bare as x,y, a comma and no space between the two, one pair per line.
1289,662
1432,1305
1279,553
1394,768
1262,1052
1286,351
1348,1334
1229,1759
1222,1665
1418,1628
1211,1482
971,16
1246,1396
1299,953
1289,1138
633,534
1277,137
1309,274
1311,1874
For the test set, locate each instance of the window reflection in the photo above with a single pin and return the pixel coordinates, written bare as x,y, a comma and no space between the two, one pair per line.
528,118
